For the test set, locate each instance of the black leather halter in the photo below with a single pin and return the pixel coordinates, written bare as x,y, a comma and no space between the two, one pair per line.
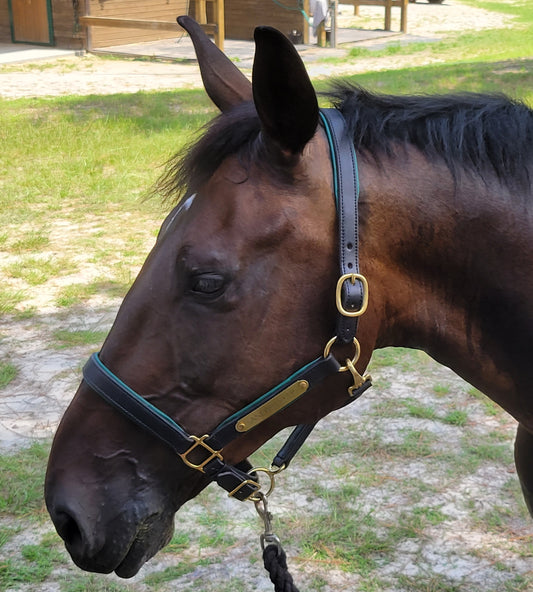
204,453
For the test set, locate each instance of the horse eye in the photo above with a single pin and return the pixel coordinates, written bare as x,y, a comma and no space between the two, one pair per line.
209,284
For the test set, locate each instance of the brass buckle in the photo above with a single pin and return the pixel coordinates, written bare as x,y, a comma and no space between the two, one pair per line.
353,277
257,495
358,380
252,496
200,442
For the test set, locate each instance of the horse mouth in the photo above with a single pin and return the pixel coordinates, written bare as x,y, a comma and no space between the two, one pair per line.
125,556
135,558
141,550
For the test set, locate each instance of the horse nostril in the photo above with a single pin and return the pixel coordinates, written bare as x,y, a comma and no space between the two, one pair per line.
68,529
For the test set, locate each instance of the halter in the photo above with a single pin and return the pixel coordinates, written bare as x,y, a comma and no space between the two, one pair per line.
204,453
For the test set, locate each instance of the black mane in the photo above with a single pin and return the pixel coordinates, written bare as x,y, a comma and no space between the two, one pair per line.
486,134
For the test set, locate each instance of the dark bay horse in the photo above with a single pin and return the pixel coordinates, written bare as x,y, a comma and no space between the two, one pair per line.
238,292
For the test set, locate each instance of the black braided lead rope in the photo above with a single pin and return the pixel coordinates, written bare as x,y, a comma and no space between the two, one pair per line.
275,562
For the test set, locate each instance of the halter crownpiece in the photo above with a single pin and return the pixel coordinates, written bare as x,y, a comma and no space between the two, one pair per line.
203,453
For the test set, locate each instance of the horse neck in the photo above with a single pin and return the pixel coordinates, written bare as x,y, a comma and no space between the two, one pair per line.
442,259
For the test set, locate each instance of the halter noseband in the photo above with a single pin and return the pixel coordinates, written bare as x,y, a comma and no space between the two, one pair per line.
204,453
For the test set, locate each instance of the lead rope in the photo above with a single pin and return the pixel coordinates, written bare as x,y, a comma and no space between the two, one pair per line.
274,557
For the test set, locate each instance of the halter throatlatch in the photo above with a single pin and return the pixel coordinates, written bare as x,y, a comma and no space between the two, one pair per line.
204,453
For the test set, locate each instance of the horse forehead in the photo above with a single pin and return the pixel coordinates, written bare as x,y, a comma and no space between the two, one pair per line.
230,202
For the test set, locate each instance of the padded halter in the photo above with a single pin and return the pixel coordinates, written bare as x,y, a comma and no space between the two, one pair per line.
204,453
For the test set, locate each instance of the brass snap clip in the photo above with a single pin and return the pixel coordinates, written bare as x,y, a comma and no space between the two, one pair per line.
358,380
268,537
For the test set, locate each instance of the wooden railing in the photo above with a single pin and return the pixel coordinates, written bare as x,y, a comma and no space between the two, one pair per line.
216,29
388,5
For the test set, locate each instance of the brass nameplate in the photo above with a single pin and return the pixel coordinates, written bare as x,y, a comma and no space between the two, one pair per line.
281,400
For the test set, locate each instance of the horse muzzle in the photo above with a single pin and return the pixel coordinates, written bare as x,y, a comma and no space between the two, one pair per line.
101,543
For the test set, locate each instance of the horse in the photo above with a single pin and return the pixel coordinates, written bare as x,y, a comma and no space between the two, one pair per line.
242,289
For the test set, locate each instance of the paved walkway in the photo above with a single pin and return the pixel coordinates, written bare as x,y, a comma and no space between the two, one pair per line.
12,53
181,48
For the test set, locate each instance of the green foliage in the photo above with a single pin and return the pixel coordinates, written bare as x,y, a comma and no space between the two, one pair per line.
71,338
92,583
8,371
9,299
421,411
169,574
456,417
34,565
36,270
21,486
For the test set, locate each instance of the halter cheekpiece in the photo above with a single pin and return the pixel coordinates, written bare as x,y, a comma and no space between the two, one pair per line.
204,453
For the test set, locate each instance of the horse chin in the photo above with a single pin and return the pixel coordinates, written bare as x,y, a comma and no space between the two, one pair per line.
149,540
139,553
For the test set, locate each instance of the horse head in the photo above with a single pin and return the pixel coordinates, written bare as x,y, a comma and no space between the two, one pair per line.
235,295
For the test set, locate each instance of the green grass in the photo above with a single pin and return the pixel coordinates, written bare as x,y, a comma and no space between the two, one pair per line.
430,583
21,486
173,573
75,199
8,372
92,583
6,533
407,359
65,338
513,76
35,270
490,406
487,60
9,299
33,566
441,389
421,411
456,417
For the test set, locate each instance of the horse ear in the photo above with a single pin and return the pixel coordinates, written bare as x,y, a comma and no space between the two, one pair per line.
225,84
283,94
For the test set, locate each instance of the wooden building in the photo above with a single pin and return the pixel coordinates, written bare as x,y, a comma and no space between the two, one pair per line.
88,24
42,22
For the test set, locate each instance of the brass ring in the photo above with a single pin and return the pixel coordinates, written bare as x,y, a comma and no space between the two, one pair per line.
270,474
353,361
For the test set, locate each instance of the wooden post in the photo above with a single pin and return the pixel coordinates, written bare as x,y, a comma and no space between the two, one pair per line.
403,17
220,28
333,33
201,11
321,35
306,24
388,19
